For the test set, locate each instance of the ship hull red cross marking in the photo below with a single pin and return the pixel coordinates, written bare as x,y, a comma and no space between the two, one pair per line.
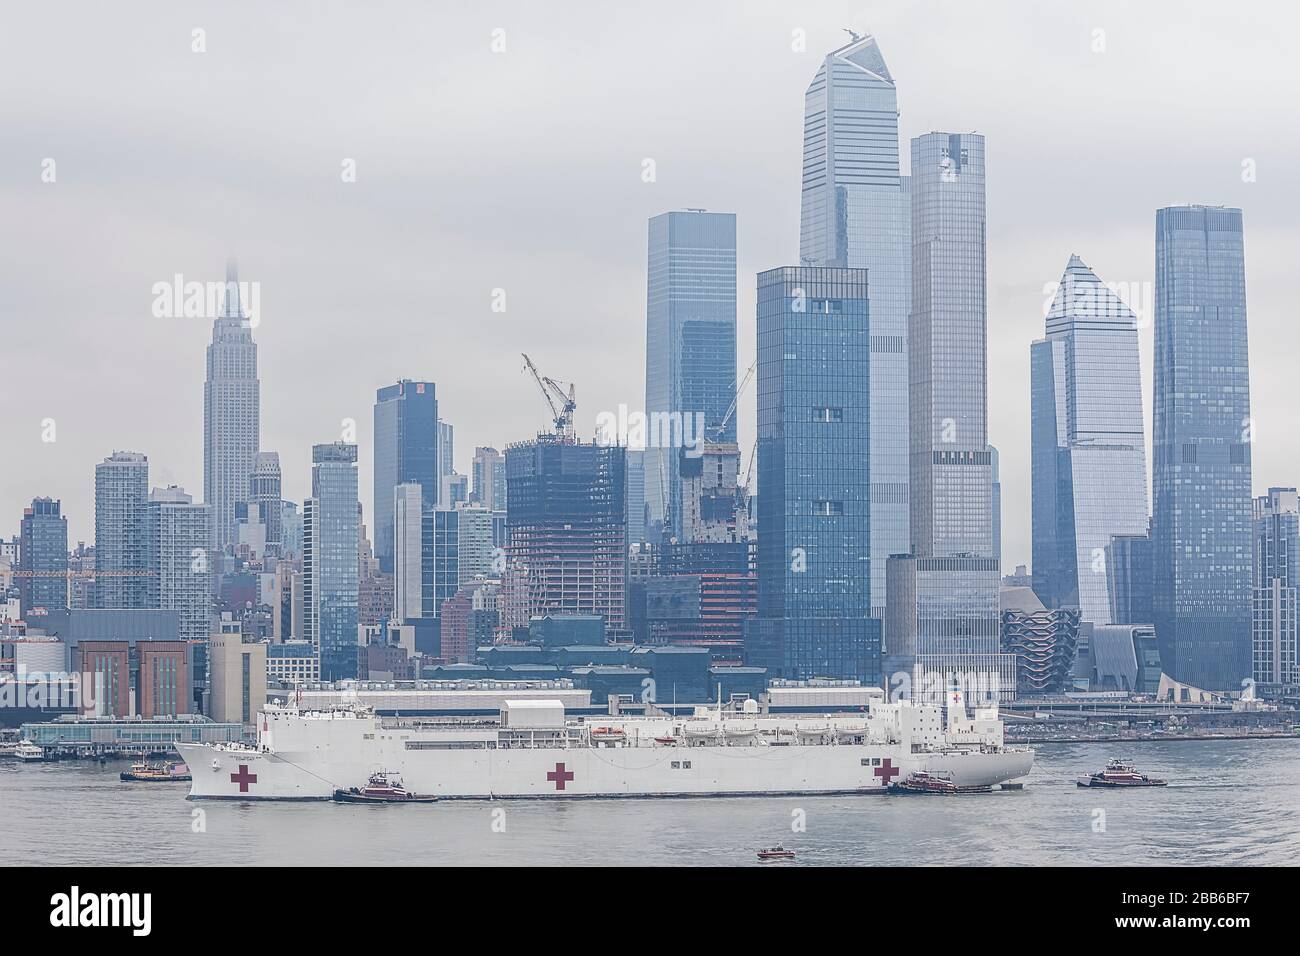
559,776
886,771
243,778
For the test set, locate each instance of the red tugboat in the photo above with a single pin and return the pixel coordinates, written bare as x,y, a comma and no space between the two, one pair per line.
382,788
1119,774
777,852
922,781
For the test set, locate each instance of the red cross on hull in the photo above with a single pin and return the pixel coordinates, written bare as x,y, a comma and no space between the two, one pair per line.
243,778
886,772
559,776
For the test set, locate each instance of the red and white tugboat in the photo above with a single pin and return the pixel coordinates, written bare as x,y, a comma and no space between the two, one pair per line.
1119,774
382,788
777,852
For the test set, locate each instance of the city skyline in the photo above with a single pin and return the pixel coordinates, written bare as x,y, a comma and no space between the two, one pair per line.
606,367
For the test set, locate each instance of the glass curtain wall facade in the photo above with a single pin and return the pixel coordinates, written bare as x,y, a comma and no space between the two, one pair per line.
690,345
330,573
1089,478
406,450
814,507
1277,548
952,477
43,559
1201,525
856,213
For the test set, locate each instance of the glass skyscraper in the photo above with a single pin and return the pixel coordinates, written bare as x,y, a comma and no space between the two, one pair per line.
952,475
856,212
331,535
406,450
231,413
1088,446
814,452
947,588
690,345
1201,524
43,559
1277,549
121,541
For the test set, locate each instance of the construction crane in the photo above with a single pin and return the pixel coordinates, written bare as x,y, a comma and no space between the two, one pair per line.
562,403
721,427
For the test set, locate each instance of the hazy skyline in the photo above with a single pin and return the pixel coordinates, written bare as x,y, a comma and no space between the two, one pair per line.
522,170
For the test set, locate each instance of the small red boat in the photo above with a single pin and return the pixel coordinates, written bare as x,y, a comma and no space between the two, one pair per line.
777,852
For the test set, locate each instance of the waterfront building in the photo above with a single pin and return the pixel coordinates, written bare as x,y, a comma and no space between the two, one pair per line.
690,347
239,673
1088,447
1124,657
856,213
231,413
1201,523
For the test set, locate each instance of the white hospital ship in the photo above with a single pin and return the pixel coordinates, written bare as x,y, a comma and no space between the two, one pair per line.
535,750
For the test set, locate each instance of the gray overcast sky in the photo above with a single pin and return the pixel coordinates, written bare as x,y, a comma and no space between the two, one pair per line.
522,170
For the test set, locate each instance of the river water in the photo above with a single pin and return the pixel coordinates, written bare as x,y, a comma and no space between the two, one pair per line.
1228,802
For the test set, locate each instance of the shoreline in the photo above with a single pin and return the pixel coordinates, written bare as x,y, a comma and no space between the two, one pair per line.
1152,738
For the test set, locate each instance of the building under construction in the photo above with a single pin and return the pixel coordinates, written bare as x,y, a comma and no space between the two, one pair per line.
567,531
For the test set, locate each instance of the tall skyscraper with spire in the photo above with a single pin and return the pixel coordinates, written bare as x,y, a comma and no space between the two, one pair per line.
1202,517
1088,448
231,413
856,213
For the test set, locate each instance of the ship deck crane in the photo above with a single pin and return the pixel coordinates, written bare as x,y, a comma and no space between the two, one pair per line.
562,403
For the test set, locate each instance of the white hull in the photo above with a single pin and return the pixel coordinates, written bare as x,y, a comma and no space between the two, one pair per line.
309,757
593,772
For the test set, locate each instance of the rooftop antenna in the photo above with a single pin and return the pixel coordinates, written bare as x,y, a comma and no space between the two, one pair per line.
853,34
